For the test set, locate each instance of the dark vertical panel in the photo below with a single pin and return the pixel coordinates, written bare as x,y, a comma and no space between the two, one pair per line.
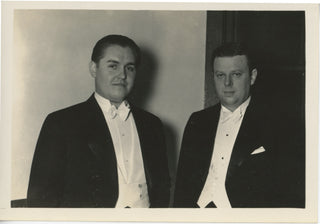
229,33
277,36
215,34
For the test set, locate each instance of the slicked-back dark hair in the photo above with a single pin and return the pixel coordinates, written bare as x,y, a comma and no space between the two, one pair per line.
123,41
231,49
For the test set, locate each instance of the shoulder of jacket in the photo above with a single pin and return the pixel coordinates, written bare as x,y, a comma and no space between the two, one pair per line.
68,112
143,113
209,111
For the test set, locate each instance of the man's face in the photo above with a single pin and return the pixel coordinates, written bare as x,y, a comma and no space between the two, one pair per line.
232,80
115,73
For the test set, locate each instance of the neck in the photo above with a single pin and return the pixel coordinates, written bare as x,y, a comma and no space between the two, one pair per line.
116,104
230,108
112,102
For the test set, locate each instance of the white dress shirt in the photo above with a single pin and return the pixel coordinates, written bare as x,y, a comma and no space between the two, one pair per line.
133,190
227,131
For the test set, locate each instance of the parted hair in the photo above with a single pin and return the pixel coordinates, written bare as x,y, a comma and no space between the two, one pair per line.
114,39
230,49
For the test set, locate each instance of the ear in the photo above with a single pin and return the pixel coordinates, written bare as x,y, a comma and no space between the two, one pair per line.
93,68
253,77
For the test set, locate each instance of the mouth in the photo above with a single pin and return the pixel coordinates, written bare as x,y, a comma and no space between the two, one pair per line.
119,84
228,93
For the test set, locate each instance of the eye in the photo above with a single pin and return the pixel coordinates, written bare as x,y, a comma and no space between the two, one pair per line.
219,75
131,68
113,66
236,74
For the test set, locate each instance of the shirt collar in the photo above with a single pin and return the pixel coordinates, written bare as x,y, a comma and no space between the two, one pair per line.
106,106
239,112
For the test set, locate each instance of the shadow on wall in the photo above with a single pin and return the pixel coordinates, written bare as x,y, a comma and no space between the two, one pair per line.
145,80
143,89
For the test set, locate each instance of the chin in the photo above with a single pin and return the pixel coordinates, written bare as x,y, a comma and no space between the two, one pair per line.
229,101
118,99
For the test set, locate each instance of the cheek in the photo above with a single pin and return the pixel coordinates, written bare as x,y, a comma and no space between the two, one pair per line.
131,79
244,87
105,78
218,85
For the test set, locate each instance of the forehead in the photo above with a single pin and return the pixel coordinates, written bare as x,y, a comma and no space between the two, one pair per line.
123,52
230,62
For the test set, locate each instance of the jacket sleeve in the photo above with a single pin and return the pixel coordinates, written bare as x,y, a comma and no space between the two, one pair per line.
183,195
47,170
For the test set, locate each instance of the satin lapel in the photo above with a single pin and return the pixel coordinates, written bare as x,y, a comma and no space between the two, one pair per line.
99,139
206,131
246,140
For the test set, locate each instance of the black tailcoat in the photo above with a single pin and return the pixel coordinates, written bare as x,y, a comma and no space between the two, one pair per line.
252,179
75,165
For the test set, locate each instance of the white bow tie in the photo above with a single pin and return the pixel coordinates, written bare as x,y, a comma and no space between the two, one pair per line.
227,115
123,111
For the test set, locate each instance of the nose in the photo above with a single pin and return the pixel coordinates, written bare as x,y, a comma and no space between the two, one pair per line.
228,80
123,73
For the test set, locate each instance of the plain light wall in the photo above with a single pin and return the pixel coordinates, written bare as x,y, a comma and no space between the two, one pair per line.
52,50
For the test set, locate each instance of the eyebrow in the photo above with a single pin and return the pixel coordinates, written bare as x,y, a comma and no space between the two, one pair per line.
237,70
117,62
112,61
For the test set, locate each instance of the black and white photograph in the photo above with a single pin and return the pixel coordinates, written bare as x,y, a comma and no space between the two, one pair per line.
159,112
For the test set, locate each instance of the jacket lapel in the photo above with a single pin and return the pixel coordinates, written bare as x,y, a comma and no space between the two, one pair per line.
207,132
247,139
99,139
